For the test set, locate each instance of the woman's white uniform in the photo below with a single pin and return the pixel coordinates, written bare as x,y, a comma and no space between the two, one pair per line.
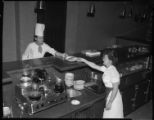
110,76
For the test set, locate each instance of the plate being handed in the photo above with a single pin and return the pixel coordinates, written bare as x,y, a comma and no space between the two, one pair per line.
71,59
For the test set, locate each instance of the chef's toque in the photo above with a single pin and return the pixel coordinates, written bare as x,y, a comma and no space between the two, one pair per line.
39,29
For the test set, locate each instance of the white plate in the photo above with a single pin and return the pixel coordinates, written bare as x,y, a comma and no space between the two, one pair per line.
72,59
75,102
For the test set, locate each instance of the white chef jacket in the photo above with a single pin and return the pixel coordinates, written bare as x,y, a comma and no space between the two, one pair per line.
32,52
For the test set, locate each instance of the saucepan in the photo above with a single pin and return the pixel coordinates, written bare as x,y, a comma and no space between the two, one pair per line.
34,95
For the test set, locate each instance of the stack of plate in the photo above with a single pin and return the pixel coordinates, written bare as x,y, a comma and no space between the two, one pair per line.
69,78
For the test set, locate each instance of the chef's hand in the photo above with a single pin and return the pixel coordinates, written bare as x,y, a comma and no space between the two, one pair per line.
79,59
108,105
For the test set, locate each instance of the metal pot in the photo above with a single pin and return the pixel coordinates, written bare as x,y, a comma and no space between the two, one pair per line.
34,95
79,84
25,82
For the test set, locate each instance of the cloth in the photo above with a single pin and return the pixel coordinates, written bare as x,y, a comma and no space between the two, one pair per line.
40,49
39,29
110,76
32,51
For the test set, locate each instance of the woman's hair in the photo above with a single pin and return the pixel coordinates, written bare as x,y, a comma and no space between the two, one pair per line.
112,55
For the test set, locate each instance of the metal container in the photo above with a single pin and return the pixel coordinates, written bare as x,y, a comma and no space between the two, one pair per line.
69,78
79,84
73,93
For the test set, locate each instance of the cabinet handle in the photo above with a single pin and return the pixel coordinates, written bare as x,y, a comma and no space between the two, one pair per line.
133,106
136,87
133,99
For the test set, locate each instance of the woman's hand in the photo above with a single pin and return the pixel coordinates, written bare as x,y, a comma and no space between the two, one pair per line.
108,105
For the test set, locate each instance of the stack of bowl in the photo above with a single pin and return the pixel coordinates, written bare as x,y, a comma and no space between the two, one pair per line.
69,79
79,84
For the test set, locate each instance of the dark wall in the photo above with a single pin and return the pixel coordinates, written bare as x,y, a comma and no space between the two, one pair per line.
98,32
55,21
1,19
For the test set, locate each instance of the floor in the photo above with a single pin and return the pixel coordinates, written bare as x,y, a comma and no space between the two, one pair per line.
142,113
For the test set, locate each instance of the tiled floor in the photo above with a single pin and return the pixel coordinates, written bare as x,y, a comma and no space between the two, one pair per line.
145,112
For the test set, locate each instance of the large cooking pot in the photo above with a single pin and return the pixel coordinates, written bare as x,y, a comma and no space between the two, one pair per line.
34,95
39,75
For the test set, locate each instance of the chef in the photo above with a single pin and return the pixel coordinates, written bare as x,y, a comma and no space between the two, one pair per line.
38,48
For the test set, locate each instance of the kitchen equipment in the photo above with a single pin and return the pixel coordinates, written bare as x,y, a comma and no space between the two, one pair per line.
39,96
59,86
33,102
25,81
39,76
79,84
69,78
72,93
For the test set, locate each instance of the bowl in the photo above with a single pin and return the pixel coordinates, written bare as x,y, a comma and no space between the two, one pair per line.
34,95
79,84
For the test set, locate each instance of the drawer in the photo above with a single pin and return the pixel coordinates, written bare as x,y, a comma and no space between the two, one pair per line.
135,77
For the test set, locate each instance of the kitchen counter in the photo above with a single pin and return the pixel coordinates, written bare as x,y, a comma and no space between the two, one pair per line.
87,99
15,66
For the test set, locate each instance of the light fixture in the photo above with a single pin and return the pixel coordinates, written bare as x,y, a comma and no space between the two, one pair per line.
129,11
91,10
39,6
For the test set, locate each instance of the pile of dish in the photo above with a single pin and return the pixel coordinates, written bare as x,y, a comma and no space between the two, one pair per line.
79,84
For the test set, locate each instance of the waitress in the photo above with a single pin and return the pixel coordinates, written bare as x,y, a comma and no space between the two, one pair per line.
38,48
111,79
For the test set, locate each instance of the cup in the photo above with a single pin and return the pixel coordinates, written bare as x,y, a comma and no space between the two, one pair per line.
7,112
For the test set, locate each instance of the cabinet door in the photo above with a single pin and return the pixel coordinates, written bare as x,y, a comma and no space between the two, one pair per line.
141,93
149,89
128,96
149,92
98,108
84,113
